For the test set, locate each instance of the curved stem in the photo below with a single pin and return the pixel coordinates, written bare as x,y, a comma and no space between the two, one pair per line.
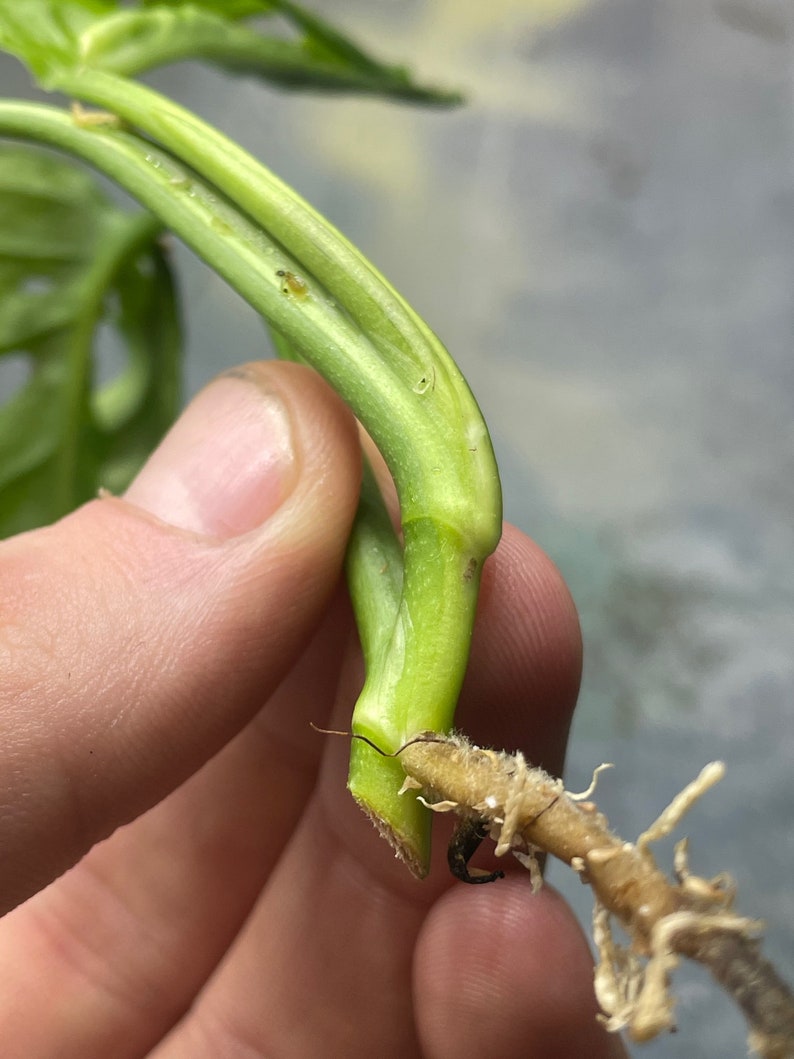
430,386
348,323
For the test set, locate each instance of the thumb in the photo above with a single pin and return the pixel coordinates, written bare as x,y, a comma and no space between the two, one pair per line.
138,635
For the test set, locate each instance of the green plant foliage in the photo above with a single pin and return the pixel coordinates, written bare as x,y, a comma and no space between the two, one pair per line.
50,35
71,264
44,33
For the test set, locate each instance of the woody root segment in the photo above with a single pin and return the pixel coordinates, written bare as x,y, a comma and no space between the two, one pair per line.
526,812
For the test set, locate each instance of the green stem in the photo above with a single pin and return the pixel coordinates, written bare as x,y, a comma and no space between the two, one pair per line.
384,361
374,567
407,345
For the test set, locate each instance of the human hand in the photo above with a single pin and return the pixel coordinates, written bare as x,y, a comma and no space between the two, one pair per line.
216,893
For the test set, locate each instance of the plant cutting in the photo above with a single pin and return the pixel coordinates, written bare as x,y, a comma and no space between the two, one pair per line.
414,595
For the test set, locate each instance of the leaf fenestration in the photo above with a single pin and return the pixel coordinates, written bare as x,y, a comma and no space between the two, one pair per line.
72,263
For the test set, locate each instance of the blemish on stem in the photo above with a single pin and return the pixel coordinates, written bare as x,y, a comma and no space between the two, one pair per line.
292,283
94,119
427,383
220,225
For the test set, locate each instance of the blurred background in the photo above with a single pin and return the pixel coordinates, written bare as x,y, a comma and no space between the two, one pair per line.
603,236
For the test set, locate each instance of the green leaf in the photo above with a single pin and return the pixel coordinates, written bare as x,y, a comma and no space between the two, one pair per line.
323,40
45,34
71,264
52,36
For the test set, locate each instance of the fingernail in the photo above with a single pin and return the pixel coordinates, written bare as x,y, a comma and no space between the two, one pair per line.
227,463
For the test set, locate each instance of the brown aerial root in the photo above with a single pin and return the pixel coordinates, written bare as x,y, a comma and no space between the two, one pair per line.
526,811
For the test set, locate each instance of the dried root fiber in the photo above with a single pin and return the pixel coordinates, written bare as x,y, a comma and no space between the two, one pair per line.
526,811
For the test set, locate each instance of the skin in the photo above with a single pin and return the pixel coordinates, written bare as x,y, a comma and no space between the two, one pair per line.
184,874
